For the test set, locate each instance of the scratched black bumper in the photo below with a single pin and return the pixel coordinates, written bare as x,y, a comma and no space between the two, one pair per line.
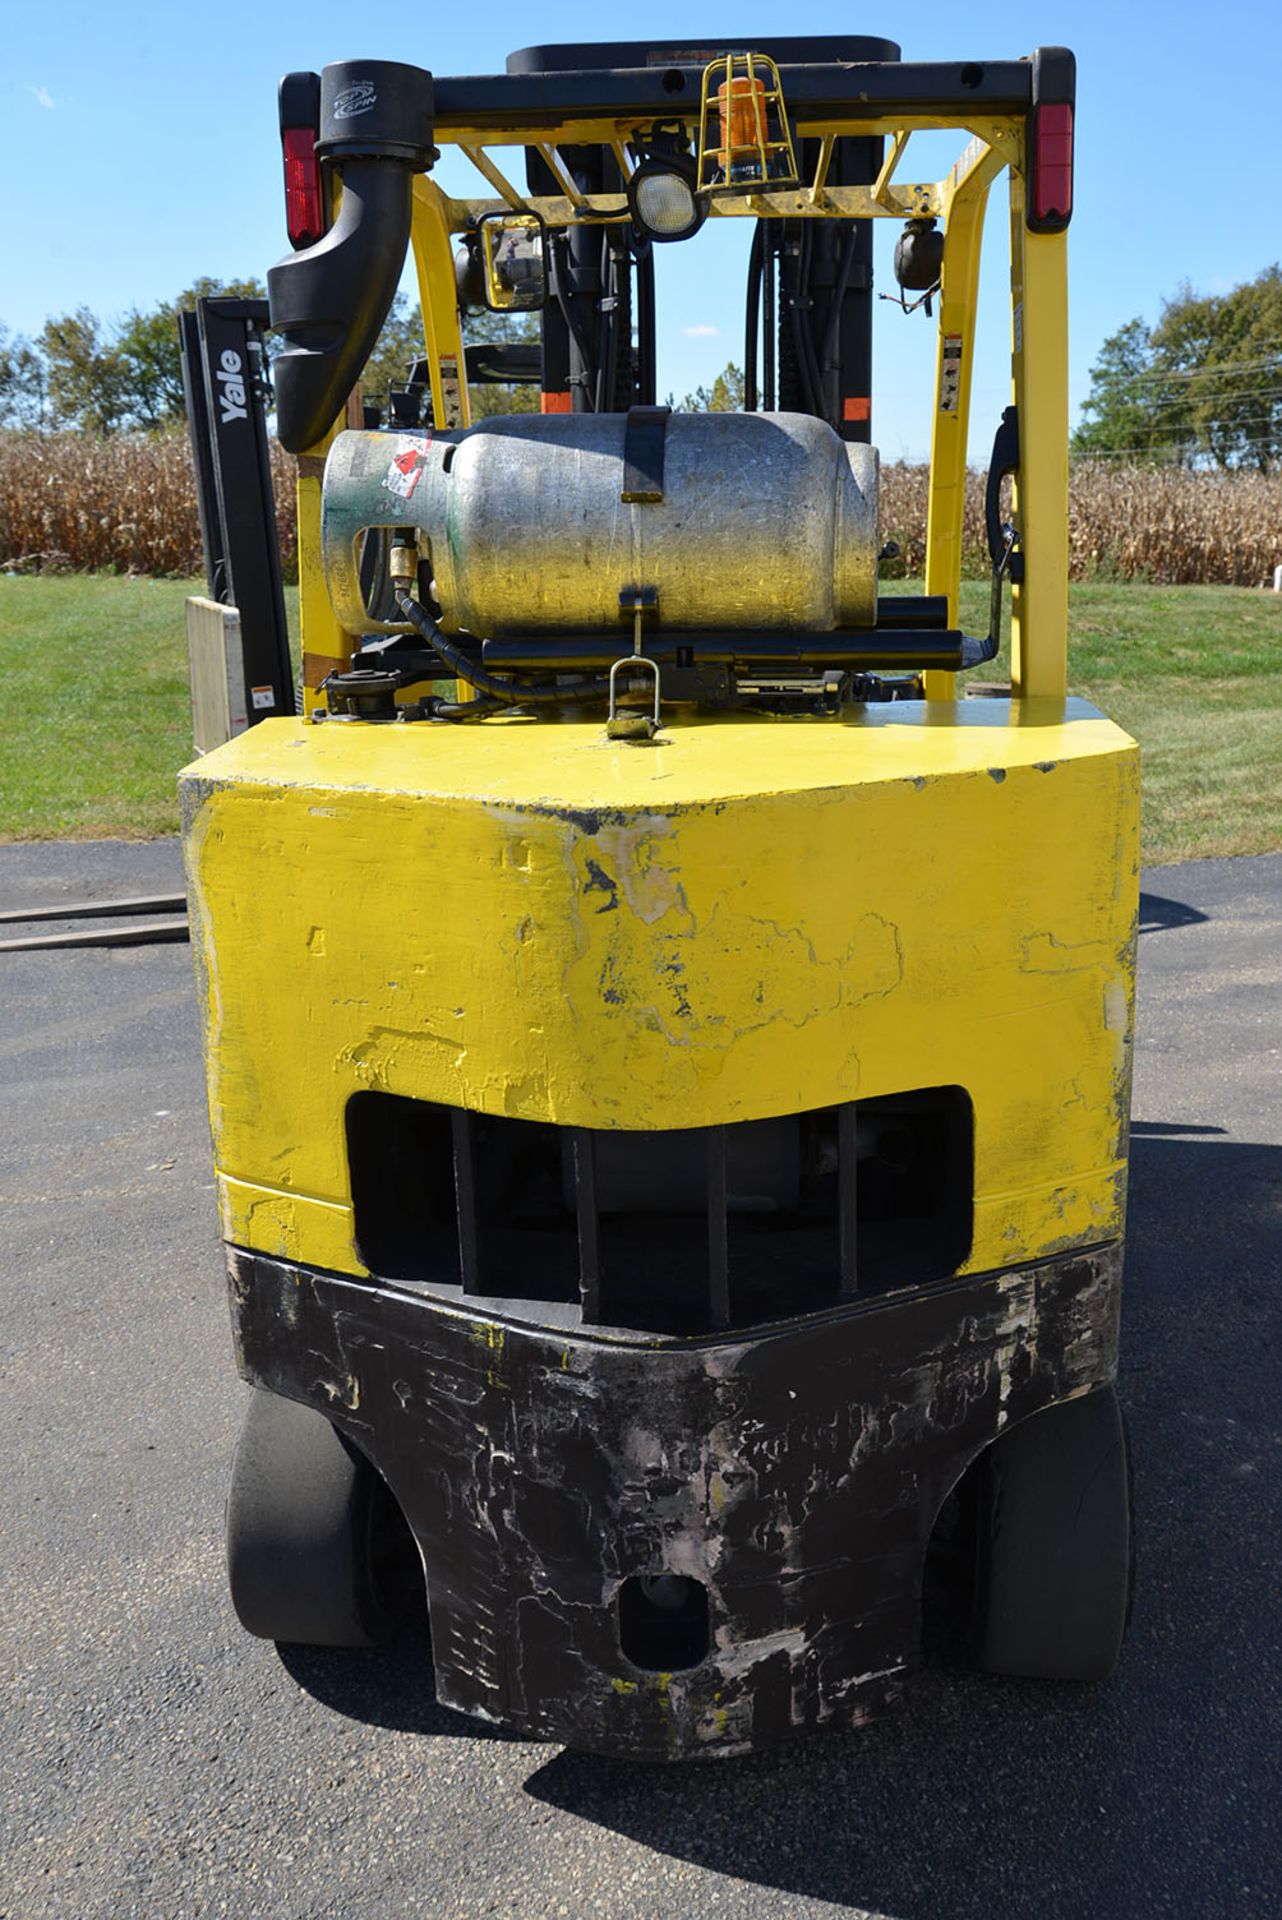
797,1472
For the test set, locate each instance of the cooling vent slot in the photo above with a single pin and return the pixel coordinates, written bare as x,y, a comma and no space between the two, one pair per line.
675,1232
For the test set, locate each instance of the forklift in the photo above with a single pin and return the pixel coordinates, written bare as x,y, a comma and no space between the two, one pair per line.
668,1036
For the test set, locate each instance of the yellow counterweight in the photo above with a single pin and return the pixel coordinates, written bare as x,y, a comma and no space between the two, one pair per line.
752,917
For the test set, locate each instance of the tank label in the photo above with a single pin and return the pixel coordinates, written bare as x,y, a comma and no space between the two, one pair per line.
402,476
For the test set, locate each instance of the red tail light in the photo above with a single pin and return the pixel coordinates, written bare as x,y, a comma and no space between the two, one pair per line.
304,200
1053,166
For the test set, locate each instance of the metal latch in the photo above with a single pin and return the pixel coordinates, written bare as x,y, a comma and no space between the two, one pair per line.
638,601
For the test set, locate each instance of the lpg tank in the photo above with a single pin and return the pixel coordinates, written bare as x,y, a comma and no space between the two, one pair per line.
764,520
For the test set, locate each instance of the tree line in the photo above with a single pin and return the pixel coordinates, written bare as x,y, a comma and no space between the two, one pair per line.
1201,388
83,374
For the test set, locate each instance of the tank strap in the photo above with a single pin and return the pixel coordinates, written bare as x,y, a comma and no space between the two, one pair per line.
644,438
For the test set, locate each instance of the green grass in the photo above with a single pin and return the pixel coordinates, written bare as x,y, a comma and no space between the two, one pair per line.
98,721
98,712
1195,674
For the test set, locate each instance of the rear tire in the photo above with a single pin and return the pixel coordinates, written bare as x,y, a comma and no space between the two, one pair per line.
1054,1550
318,1552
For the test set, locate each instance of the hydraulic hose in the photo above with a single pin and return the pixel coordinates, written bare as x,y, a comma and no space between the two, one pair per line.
830,356
508,692
586,381
751,320
770,265
645,326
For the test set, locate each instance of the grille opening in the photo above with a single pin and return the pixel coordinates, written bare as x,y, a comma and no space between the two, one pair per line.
663,1622
916,1186
402,1174
659,1222
404,1160
671,1232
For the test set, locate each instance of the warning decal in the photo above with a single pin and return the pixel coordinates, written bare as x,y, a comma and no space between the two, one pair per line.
950,373
451,398
402,476
262,697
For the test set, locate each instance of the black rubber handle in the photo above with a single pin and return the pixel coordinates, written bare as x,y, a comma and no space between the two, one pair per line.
1005,460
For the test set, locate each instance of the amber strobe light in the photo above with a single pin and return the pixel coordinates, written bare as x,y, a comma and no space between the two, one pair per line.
741,110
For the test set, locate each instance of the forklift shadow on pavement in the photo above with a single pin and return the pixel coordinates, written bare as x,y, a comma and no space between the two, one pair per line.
1160,915
1132,1797
387,1686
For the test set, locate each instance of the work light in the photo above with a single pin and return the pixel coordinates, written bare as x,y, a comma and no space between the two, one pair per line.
661,194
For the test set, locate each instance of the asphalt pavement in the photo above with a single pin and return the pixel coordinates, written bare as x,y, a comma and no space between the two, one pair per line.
157,1762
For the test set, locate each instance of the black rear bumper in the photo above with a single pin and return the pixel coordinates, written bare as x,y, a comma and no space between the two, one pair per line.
795,1473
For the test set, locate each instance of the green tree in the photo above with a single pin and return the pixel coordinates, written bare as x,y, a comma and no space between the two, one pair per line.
22,382
1226,352
725,395
148,346
100,378
395,351
86,376
1126,410
1202,386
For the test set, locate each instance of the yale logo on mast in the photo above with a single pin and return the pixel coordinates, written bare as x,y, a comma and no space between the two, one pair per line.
232,398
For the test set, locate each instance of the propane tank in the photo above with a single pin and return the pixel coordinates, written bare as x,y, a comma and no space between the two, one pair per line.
762,520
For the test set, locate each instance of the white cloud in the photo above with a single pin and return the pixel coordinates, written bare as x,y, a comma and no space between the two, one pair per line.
702,332
42,97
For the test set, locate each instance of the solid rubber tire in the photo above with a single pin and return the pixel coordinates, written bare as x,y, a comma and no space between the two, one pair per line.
308,1521
1055,1544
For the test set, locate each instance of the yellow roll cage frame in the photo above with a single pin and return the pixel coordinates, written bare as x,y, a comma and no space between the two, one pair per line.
1039,346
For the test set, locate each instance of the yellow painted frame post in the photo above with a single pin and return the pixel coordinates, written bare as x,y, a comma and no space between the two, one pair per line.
959,296
1039,359
326,647
430,240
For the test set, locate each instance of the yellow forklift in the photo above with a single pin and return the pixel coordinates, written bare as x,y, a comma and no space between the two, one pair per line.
669,1044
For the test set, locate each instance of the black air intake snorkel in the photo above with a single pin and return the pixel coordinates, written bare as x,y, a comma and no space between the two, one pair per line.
329,301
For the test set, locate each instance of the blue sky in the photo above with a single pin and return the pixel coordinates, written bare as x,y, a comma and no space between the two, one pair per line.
140,150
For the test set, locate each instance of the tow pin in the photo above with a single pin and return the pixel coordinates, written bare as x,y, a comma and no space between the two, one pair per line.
638,601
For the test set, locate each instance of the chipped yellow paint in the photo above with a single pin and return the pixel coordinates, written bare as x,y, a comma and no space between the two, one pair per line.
756,917
621,1685
290,1226
491,1336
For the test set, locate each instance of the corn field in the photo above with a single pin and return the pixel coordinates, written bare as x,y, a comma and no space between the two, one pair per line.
123,504
127,504
1163,524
